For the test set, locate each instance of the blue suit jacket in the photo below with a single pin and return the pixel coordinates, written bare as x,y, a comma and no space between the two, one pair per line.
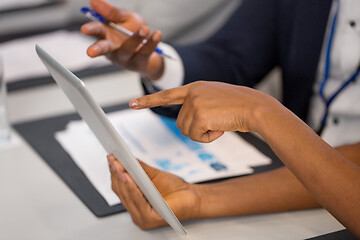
261,35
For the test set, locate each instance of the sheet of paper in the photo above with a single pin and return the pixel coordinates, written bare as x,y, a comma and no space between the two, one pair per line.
158,142
68,47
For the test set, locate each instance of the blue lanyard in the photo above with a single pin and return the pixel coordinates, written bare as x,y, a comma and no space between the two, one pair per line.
329,100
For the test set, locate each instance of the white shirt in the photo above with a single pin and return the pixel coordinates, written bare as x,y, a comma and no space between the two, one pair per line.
343,122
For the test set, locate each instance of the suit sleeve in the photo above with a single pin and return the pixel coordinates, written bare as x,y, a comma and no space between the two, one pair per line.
242,52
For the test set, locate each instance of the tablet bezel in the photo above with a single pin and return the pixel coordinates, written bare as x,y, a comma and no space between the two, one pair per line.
91,112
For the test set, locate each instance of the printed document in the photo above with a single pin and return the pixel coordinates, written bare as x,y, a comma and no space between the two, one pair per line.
158,142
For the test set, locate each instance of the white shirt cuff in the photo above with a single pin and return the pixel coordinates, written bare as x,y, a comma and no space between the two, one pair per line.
173,75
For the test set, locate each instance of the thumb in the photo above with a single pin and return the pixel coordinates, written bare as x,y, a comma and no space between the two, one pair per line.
150,171
210,136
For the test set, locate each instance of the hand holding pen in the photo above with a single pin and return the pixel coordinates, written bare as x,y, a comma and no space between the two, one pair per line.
131,52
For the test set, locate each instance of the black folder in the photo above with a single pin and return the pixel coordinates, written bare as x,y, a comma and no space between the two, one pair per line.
40,135
339,235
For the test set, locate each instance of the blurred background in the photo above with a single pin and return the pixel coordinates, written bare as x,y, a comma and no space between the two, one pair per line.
55,24
183,21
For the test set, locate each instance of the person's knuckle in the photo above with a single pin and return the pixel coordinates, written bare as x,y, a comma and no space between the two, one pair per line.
136,221
202,119
165,95
130,191
145,100
197,116
200,114
142,227
143,224
178,123
149,222
196,101
199,83
194,137
184,131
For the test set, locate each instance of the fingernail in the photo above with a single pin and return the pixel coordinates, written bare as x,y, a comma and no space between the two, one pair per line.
96,48
113,167
89,28
142,32
134,103
110,158
122,177
155,37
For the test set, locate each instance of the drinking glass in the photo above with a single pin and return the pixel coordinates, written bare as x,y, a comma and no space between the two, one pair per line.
4,120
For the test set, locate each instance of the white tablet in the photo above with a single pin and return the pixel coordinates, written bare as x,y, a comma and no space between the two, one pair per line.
105,132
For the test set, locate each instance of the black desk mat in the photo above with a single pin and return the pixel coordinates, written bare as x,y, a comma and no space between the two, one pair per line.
40,135
339,235
45,80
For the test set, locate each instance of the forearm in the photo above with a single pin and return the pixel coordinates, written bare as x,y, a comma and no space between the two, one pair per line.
209,109
351,152
331,178
273,191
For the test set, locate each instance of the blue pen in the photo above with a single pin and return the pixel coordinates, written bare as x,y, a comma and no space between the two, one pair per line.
93,15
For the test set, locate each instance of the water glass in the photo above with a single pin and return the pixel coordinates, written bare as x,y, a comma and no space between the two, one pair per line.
4,120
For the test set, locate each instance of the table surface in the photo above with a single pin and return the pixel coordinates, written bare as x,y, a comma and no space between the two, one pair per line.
36,204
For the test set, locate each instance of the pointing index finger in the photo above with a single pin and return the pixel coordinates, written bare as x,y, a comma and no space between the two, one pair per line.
166,97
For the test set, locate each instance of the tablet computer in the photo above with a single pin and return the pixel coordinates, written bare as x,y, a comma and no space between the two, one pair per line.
95,117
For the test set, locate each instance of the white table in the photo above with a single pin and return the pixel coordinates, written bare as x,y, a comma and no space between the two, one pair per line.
36,204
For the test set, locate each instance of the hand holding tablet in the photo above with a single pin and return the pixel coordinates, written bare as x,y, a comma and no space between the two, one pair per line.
102,128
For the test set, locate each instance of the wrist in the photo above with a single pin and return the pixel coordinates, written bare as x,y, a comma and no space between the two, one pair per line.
169,72
200,209
209,203
155,68
265,115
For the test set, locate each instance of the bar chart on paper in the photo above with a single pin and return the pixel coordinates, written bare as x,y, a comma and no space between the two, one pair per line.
158,142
